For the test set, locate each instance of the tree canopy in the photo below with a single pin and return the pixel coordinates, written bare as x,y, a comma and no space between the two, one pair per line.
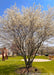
29,28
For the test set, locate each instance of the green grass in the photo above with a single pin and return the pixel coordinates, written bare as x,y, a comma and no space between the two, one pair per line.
41,57
45,67
9,66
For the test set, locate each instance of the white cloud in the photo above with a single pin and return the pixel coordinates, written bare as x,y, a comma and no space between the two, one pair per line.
49,42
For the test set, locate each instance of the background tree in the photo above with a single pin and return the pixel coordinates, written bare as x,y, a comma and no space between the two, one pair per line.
29,28
14,50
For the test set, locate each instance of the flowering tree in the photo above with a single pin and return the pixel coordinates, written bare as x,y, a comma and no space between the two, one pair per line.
29,29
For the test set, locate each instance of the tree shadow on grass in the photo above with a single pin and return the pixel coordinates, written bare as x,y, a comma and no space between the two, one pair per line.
9,69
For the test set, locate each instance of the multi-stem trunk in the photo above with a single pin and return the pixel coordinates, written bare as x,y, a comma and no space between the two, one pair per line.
28,63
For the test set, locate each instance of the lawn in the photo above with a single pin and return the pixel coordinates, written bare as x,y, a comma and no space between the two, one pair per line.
9,66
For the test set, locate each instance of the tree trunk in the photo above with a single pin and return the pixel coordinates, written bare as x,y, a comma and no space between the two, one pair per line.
28,65
13,54
6,56
3,56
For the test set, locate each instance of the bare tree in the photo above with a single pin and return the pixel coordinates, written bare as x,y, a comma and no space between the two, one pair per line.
14,49
29,29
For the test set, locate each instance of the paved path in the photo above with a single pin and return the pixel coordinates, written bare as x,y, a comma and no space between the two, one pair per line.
39,60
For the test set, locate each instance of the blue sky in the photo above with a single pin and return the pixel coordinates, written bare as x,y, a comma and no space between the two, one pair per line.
4,4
